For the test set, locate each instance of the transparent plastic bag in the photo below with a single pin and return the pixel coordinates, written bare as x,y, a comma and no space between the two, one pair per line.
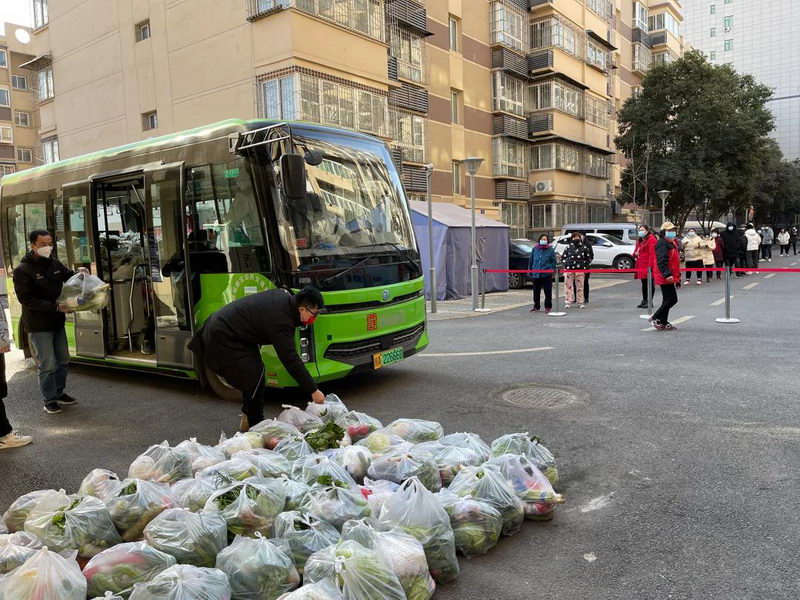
161,464
305,534
273,431
119,568
471,441
402,552
358,425
415,510
81,523
451,459
99,483
293,448
381,442
416,431
195,496
45,576
330,410
296,492
304,421
257,569
400,466
15,549
529,447
14,517
321,590
200,455
192,538
377,492
530,484
270,464
335,504
185,582
476,524
354,459
487,483
136,503
309,469
106,596
83,291
230,471
250,506
239,442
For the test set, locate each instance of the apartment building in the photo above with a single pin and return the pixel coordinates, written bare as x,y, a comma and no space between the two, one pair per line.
531,86
18,140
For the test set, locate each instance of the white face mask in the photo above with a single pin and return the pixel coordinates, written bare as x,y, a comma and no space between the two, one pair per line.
691,234
44,251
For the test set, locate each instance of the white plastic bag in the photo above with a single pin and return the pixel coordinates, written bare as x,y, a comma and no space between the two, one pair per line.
239,442
46,576
415,431
451,459
531,448
99,483
83,291
161,464
530,484
15,549
230,471
200,455
355,460
185,582
294,447
358,425
309,469
472,441
399,466
382,442
192,538
250,506
377,492
118,569
195,495
321,590
268,462
335,503
14,517
488,483
257,569
273,431
304,421
106,596
136,503
296,492
305,534
476,524
330,410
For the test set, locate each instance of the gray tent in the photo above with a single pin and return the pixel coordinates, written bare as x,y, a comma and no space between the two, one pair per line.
451,248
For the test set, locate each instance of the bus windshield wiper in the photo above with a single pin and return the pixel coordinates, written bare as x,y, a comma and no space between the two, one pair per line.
404,253
333,278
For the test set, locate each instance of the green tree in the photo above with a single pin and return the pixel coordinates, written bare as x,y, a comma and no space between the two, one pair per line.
776,198
701,129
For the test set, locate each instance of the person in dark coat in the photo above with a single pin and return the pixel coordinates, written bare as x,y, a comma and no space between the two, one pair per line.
719,252
229,344
576,257
667,271
793,239
643,253
38,280
588,243
543,258
732,245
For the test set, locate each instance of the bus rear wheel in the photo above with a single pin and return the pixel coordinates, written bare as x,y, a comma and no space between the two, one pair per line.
221,388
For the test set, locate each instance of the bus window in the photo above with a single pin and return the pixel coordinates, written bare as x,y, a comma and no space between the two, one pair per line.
17,240
79,240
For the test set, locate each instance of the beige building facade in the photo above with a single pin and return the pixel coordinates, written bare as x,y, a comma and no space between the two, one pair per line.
530,86
18,107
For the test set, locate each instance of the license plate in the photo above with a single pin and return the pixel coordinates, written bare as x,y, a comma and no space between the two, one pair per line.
382,359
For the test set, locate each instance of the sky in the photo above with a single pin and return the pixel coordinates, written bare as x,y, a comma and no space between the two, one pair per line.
15,11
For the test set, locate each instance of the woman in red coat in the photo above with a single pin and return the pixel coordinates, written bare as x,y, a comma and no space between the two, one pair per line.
666,267
643,253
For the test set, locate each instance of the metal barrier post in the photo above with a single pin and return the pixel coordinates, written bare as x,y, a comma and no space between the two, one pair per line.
557,312
483,293
649,295
727,318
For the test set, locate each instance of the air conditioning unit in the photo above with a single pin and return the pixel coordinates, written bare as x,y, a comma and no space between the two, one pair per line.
540,187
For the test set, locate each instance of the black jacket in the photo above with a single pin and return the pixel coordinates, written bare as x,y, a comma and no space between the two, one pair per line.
239,328
730,240
577,256
37,284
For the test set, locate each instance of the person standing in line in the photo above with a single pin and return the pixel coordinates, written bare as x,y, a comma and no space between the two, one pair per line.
707,252
767,239
719,252
576,256
588,243
783,240
543,258
38,280
693,247
8,437
744,258
753,244
643,254
667,269
730,246
793,239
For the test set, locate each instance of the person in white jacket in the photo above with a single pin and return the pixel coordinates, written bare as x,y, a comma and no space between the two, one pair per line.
8,438
783,241
753,244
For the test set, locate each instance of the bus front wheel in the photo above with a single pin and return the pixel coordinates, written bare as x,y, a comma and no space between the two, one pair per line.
221,388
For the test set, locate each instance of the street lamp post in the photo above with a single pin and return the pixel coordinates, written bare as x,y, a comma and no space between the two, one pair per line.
431,266
663,194
472,164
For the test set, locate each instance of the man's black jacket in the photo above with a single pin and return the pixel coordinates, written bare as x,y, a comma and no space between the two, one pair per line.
37,284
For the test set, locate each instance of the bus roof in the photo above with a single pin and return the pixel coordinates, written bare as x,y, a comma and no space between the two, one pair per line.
179,138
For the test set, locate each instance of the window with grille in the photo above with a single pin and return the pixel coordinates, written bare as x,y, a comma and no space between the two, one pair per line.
150,120
557,94
6,134
596,55
543,157
408,131
514,214
6,169
508,93
596,111
407,47
602,8
363,16
640,16
642,57
596,164
509,26
22,118
508,158
50,150
552,32
45,82
24,155
143,30
542,216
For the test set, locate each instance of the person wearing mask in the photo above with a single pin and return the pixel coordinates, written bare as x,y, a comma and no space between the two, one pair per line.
229,344
576,256
767,239
744,258
667,269
693,251
38,280
8,437
643,254
793,239
588,243
719,252
783,240
543,258
730,246
753,244
707,253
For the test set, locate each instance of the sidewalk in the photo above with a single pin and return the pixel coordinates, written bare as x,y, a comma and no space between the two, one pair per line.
497,301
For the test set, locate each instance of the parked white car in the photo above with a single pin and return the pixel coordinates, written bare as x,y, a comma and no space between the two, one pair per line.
609,251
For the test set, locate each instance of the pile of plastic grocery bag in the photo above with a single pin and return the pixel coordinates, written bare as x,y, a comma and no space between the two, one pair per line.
319,504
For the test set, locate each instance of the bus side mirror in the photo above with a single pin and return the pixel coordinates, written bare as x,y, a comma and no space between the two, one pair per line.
293,176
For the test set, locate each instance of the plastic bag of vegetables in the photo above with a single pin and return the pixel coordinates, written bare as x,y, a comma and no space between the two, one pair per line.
81,523
333,501
98,483
239,442
185,582
381,442
257,569
299,418
201,455
471,441
45,576
357,425
451,459
377,492
268,462
106,596
359,572
487,483
354,459
530,484
273,431
161,464
293,448
476,524
403,553
309,468
415,510
117,569
321,590
14,517
230,471
195,495
305,534
15,549
136,503
416,431
295,492
400,466
529,447
192,538
330,435
330,410
249,506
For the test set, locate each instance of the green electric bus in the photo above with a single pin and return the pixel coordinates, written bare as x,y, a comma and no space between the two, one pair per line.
180,225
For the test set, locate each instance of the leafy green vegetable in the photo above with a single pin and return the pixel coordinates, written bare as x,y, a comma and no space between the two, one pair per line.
232,495
327,436
329,480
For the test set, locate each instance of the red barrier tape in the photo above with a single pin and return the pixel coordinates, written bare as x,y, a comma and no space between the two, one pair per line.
693,270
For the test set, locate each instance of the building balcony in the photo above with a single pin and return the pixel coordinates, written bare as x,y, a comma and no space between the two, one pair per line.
410,14
642,36
658,38
509,126
409,97
508,60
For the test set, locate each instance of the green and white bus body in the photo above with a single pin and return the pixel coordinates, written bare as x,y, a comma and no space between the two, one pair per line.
183,224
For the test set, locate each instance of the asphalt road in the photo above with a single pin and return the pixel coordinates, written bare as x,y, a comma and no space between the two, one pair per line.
678,454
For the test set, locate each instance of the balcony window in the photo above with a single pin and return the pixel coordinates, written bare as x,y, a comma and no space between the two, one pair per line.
556,94
542,216
568,158
22,118
509,26
45,82
40,17
364,16
553,32
508,94
24,155
407,47
19,82
665,57
6,169
514,214
543,157
597,56
50,150
508,158
596,164
640,16
6,135
143,30
408,131
663,21
596,111
5,98
602,8
642,56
